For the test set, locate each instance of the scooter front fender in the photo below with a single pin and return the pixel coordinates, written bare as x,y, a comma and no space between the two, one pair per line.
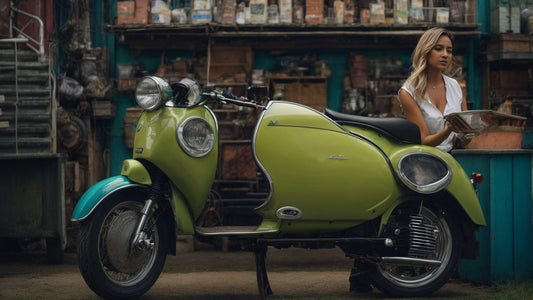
98,193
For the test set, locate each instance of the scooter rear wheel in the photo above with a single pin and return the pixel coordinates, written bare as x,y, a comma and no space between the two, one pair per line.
110,265
409,281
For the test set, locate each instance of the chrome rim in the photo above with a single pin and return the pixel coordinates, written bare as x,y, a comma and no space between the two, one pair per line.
123,264
416,276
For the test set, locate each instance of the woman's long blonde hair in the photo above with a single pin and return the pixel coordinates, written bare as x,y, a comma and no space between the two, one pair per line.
418,77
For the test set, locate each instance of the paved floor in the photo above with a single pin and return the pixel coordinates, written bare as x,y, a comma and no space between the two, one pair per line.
204,274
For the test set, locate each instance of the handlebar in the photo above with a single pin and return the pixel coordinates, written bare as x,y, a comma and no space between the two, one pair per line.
226,97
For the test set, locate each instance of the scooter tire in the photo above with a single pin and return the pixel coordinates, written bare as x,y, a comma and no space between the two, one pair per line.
393,286
96,272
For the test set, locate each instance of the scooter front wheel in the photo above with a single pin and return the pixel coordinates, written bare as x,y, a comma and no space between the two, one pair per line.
111,266
434,235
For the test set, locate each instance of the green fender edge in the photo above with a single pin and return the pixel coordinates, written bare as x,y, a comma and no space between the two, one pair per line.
96,193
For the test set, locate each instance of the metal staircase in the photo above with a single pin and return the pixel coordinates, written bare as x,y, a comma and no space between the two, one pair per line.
27,111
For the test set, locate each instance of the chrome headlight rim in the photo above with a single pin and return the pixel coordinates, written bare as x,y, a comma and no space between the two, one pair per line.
189,149
430,188
156,92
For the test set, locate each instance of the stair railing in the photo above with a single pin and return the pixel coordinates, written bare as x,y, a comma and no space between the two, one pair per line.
39,45
16,41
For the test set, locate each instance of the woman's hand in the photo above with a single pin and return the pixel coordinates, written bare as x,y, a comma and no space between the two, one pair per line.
461,140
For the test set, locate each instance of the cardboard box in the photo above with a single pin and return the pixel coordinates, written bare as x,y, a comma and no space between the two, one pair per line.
309,93
162,17
339,11
201,4
505,19
510,42
125,12
285,11
442,15
365,16
228,11
142,12
258,11
314,12
457,11
126,84
229,60
377,13
401,16
201,16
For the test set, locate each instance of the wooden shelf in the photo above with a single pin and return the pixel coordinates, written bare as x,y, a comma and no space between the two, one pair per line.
288,36
214,29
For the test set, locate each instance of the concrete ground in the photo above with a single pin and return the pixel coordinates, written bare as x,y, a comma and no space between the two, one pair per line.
206,273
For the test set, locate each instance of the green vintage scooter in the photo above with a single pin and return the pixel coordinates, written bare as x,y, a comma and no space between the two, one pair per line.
405,212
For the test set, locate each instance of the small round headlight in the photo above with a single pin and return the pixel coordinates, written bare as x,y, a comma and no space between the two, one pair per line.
188,92
195,136
424,173
151,92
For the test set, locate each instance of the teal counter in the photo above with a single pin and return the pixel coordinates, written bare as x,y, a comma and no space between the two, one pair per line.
505,195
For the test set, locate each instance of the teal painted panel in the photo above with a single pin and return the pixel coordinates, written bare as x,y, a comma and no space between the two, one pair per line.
501,211
506,251
523,250
478,270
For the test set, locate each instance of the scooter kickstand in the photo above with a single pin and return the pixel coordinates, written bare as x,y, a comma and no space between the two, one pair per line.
260,267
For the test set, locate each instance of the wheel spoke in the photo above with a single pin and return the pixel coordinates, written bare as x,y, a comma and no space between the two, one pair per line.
429,227
122,264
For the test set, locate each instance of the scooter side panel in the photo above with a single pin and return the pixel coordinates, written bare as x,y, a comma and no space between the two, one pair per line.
155,141
321,169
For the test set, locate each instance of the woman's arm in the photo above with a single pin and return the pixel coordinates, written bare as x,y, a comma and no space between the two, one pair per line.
412,113
463,102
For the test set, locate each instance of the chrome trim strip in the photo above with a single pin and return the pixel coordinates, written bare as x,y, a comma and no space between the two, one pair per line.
236,233
213,116
269,179
409,261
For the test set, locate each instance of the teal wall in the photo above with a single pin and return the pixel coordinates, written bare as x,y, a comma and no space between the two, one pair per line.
337,60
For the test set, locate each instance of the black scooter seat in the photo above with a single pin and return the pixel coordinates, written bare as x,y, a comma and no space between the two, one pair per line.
399,129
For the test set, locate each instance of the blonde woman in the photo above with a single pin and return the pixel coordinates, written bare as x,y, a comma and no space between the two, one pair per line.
429,93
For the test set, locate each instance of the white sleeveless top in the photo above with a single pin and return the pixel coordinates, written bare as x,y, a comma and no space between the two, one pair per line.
432,115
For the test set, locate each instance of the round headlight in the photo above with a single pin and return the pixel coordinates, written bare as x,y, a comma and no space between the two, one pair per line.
195,136
151,92
188,92
424,173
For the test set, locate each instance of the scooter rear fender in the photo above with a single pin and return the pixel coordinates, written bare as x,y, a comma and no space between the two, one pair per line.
460,188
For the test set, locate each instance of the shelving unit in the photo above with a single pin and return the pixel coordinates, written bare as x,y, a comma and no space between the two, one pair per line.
508,72
307,90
